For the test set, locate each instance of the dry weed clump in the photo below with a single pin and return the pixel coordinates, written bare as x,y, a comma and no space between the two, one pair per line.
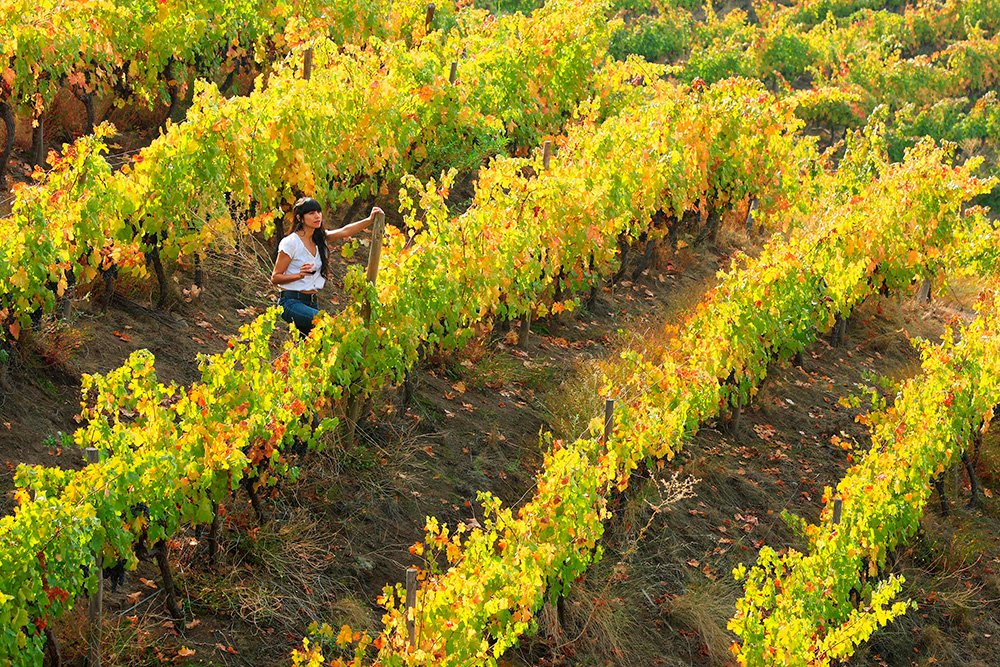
277,575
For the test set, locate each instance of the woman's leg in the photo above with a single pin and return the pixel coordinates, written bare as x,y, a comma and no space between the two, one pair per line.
299,313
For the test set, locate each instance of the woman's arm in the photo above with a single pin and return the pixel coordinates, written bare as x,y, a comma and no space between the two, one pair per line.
278,275
350,230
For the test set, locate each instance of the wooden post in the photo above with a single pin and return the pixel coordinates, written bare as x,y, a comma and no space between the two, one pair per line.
307,64
453,75
411,603
838,506
546,154
429,16
609,420
38,144
95,604
924,293
356,401
374,257
66,300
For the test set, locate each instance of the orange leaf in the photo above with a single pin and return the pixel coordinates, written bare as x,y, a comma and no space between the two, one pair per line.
184,652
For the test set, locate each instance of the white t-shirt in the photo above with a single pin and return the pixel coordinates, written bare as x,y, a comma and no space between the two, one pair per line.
292,246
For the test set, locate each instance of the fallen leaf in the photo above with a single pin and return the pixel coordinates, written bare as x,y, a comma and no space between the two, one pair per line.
184,652
191,293
193,624
459,387
764,431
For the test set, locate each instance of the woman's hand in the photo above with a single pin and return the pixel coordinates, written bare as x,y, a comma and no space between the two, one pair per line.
375,210
307,270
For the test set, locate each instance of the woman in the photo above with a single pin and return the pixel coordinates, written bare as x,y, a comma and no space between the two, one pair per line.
303,263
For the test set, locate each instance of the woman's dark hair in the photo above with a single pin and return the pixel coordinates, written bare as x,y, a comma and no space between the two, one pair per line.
308,205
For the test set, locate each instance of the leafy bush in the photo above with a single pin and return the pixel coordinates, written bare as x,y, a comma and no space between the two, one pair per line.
655,38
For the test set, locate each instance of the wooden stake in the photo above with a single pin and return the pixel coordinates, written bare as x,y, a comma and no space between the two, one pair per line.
546,154
95,604
38,144
609,420
356,401
453,75
374,257
924,293
411,603
307,64
838,506
429,16
66,300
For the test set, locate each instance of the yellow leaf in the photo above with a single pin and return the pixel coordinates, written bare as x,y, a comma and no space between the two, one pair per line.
20,278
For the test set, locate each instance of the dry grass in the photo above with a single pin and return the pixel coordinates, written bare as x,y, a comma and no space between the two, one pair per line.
704,608
277,574
601,624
